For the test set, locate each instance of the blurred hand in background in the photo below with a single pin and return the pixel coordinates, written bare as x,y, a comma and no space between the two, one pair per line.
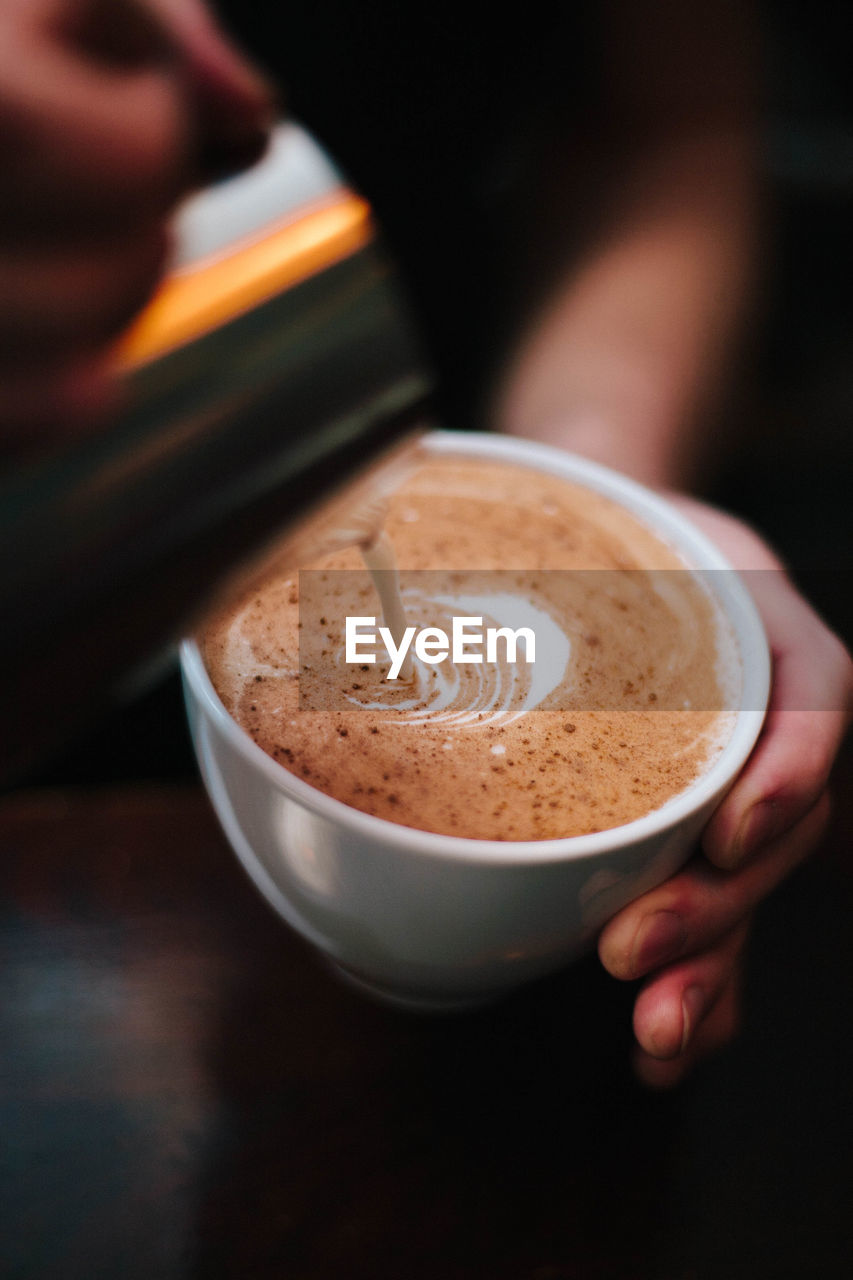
110,111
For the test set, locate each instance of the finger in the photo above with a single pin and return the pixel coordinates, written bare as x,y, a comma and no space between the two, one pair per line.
701,904
716,1028
807,719
674,1002
228,81
82,138
789,770
59,301
233,104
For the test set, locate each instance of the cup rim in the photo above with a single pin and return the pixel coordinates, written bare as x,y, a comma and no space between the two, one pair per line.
674,529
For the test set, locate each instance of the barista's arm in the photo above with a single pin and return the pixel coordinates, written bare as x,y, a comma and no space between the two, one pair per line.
623,362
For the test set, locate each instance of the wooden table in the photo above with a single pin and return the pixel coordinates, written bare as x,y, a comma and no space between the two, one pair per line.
186,1091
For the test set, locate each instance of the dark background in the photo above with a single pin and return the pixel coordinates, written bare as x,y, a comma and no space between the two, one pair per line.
497,1144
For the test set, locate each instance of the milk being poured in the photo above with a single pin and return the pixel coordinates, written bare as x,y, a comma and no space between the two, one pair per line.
438,693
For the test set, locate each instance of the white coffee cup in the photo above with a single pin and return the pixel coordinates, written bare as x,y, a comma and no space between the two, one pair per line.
438,921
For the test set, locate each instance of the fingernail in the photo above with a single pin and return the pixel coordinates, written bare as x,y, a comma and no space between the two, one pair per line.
660,938
692,1007
759,825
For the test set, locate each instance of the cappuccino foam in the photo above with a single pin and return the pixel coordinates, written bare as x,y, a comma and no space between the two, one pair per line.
624,708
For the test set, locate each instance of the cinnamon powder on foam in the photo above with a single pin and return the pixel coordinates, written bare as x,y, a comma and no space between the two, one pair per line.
560,770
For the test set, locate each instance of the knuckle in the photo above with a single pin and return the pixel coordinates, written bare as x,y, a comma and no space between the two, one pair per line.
795,772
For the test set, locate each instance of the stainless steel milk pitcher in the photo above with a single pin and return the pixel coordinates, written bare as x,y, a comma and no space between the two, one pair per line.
276,358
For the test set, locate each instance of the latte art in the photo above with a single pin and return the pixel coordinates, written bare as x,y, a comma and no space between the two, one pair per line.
624,705
482,692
